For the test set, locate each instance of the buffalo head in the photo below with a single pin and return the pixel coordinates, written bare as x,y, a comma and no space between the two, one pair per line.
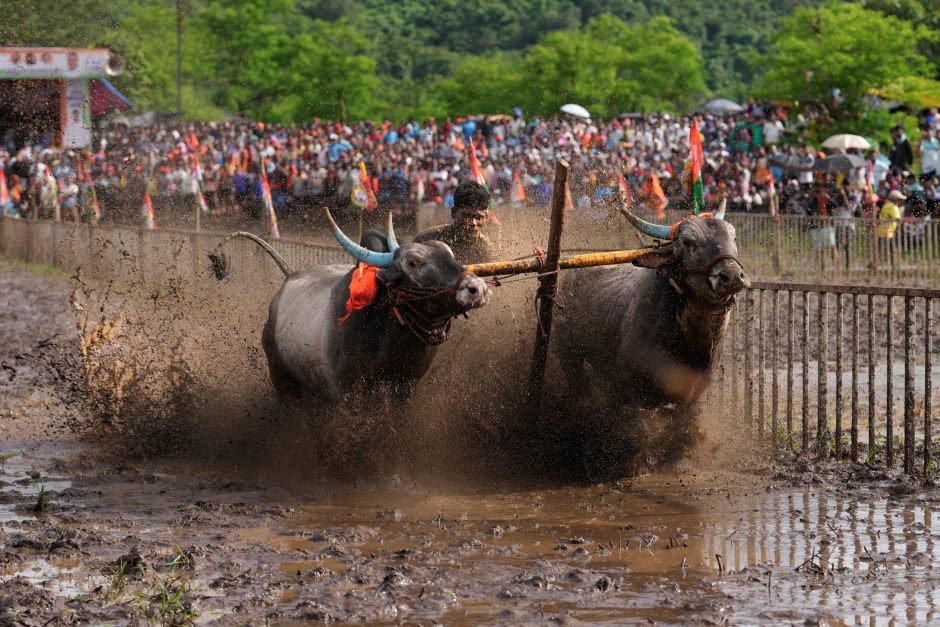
424,280
700,257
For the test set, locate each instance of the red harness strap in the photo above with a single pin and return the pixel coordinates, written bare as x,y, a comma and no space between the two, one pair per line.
675,227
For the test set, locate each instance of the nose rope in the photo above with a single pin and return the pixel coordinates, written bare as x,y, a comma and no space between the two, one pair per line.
711,264
402,302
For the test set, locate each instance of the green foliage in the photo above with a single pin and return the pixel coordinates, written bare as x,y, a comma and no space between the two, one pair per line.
608,66
291,60
842,46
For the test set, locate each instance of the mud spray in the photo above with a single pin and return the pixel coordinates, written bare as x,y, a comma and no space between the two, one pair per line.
175,368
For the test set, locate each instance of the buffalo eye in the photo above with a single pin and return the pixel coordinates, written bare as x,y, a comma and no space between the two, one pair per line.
688,243
415,264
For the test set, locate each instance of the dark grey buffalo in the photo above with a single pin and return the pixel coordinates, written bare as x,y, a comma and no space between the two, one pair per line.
389,344
652,332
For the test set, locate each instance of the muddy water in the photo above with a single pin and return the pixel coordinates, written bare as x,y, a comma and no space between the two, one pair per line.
669,548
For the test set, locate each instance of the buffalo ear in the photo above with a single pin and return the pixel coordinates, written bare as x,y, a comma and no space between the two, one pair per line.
656,258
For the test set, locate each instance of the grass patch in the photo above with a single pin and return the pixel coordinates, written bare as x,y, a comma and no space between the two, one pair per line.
5,457
41,269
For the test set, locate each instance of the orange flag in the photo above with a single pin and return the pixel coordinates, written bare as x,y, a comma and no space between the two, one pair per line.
517,194
653,192
625,191
475,168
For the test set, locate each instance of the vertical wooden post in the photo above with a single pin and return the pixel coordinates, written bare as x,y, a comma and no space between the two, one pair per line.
548,287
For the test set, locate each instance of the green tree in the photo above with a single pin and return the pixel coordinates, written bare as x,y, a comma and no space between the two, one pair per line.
841,46
609,66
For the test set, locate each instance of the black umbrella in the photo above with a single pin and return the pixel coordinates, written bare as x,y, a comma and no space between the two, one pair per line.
839,163
787,162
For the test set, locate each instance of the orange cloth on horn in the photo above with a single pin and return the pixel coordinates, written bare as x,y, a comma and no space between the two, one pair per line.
363,288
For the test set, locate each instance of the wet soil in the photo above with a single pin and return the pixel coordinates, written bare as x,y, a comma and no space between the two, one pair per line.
95,531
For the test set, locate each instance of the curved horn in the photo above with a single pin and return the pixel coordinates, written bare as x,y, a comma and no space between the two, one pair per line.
659,231
720,213
390,234
382,260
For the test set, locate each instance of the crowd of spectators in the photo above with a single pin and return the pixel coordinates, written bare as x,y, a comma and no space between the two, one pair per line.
757,159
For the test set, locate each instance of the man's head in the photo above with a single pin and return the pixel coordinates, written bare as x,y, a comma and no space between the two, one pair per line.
470,203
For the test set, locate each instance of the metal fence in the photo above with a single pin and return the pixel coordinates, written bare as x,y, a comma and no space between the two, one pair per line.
790,247
136,254
832,368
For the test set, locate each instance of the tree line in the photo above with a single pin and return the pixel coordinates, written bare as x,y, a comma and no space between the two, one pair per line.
293,60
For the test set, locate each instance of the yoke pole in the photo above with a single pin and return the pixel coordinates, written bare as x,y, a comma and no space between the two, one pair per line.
548,288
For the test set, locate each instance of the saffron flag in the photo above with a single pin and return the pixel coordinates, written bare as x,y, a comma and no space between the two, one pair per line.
268,203
569,203
772,192
517,194
147,210
696,160
870,189
624,192
654,195
475,170
371,201
4,192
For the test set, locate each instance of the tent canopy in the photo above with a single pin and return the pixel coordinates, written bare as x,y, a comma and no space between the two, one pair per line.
105,98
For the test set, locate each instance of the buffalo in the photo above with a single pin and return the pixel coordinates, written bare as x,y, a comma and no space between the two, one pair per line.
319,342
651,333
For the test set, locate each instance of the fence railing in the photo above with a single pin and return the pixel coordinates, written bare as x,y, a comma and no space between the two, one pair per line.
833,368
838,249
136,254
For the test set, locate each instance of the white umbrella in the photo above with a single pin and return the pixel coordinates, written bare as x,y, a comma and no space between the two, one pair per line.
845,142
722,106
575,110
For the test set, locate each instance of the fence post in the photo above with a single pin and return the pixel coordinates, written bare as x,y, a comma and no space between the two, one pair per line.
805,377
872,397
908,386
822,366
855,382
838,332
928,405
790,322
889,405
775,384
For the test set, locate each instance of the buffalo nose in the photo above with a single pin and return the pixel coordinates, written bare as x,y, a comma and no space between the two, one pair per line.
730,280
472,292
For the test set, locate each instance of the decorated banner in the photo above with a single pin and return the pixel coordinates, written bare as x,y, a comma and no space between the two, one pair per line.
517,193
475,170
147,210
655,197
696,160
625,192
368,192
4,192
268,203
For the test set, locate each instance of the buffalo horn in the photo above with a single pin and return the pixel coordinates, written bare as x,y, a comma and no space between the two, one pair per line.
720,213
659,231
390,234
360,253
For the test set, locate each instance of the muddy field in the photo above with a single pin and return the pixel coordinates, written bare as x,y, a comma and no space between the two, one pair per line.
148,476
